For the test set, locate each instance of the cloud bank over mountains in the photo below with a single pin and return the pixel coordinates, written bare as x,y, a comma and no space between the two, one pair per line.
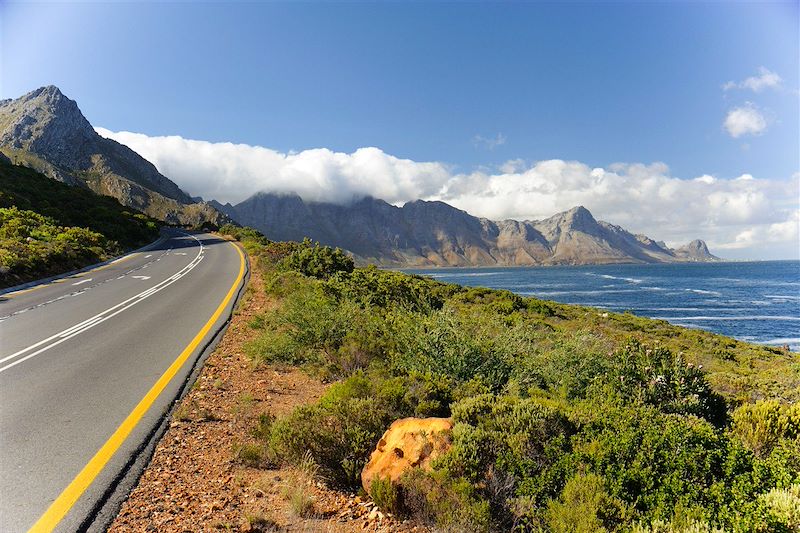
743,216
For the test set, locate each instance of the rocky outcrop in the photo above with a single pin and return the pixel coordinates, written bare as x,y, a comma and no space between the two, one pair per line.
424,234
695,251
408,443
46,131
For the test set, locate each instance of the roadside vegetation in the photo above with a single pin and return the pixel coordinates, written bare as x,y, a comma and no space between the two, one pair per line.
565,418
47,227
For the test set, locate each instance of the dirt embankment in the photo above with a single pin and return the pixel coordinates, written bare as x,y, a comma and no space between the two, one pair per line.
199,479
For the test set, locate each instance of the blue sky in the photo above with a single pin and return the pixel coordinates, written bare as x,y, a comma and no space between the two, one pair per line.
468,86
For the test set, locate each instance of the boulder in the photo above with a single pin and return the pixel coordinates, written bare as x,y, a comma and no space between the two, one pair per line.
408,443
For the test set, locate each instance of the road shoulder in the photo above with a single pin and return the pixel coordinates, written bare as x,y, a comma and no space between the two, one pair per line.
194,481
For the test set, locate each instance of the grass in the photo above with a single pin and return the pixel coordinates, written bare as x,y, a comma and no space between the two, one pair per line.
254,455
301,503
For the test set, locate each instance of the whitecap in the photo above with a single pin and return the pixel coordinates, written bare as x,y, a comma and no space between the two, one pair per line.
701,291
607,276
784,340
721,318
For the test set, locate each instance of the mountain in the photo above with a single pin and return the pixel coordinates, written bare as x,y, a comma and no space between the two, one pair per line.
46,131
422,233
695,251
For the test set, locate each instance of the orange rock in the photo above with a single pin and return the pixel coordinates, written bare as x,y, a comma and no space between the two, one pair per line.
408,443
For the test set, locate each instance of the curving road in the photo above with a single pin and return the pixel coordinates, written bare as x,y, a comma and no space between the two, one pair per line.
89,366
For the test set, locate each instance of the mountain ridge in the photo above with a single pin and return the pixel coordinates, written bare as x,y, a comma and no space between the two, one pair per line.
45,130
432,233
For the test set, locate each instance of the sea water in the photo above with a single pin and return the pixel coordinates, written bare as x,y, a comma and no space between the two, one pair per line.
752,301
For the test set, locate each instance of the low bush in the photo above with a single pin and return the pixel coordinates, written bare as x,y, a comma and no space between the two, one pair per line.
316,261
340,431
761,425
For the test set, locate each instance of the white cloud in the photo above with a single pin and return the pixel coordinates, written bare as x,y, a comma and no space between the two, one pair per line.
733,215
745,120
489,142
766,79
232,172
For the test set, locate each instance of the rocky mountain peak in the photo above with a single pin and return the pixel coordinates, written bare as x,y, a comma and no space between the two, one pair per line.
46,130
697,250
46,123
579,216
698,246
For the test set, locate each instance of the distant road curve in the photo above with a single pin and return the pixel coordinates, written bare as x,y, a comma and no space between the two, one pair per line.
89,366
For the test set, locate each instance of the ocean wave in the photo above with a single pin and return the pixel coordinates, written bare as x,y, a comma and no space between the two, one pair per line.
461,274
559,293
678,309
781,297
721,318
607,276
783,340
703,291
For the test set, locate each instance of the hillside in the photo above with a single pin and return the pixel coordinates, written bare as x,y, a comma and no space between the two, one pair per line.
424,233
563,418
50,227
46,131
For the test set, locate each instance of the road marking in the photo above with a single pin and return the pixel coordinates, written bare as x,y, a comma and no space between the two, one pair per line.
140,277
66,500
130,302
150,255
14,294
179,253
82,282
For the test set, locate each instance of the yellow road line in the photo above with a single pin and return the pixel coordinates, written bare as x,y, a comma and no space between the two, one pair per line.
61,506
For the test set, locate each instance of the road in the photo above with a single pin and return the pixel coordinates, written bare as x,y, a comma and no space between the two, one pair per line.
89,366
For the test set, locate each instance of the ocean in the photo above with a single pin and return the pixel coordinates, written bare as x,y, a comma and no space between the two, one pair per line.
757,302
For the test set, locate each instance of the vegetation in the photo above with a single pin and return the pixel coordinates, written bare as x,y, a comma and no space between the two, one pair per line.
47,227
565,418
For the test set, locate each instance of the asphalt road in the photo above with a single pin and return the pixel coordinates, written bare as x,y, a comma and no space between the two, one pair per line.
91,363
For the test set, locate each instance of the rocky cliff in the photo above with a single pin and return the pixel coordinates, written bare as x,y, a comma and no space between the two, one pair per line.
424,233
46,131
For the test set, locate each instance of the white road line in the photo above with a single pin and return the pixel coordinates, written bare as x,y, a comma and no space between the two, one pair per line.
140,277
82,282
151,255
99,318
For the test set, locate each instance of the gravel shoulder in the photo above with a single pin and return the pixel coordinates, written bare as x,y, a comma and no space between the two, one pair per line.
195,482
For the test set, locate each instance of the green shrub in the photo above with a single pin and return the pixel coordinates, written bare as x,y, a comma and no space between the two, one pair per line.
440,344
784,506
761,425
32,245
244,234
585,507
656,462
316,261
342,429
655,376
450,504
385,495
